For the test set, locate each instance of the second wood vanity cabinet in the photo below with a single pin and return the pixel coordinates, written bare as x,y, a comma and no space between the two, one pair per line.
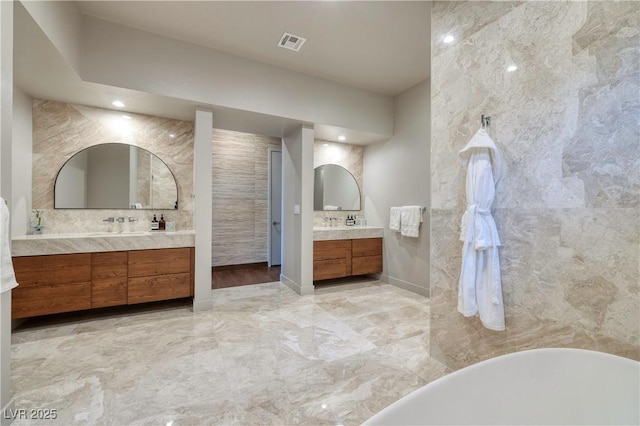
71,282
343,258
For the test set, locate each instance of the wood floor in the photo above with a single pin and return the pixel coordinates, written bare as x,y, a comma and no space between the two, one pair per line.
238,275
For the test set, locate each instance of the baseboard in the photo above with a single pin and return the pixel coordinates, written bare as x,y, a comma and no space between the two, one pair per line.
202,305
9,413
405,285
295,286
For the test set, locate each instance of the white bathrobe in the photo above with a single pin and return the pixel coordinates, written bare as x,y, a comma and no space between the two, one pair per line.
7,276
480,286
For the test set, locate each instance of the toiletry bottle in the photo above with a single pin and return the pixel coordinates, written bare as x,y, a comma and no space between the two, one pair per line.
162,223
154,223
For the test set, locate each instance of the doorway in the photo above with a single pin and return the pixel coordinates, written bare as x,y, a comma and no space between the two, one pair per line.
274,235
247,179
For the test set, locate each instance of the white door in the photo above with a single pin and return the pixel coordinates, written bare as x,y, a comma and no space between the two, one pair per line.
275,208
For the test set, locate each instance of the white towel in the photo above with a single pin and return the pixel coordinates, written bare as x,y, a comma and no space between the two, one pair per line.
7,276
329,207
410,218
394,219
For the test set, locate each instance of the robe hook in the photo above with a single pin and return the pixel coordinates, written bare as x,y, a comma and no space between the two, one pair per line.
485,120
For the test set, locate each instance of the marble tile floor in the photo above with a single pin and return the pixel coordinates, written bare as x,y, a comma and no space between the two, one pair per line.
263,355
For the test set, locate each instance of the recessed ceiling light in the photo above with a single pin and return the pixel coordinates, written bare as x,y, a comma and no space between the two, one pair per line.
448,38
126,117
512,68
325,144
118,104
171,135
342,138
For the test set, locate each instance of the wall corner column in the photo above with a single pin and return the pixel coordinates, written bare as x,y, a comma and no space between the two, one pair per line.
297,209
203,132
6,140
306,231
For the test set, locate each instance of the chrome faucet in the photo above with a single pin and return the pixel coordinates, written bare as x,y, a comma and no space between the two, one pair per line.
120,219
133,219
109,219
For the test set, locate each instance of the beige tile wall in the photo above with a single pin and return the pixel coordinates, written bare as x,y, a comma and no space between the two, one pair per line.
240,189
348,156
60,130
567,211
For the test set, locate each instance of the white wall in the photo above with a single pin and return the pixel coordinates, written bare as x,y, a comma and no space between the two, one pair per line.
61,21
297,229
6,136
125,57
396,173
22,152
203,132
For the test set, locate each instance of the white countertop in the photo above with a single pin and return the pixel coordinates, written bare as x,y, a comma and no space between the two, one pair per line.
44,244
324,233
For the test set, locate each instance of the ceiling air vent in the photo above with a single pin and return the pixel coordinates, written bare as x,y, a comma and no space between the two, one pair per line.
291,42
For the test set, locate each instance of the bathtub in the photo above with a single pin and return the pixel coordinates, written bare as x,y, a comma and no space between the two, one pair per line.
540,386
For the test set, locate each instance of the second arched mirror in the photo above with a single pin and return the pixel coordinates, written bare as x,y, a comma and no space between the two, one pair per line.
335,189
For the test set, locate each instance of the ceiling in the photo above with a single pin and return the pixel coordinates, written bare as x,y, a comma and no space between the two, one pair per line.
377,46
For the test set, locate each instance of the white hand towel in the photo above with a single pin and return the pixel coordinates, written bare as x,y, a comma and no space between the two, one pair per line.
410,218
7,276
394,218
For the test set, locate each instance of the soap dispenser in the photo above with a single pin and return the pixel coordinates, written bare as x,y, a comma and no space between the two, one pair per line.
155,225
162,223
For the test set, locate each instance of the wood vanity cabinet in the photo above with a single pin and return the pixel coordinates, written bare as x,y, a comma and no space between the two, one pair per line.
51,284
159,275
343,258
71,282
331,259
109,279
366,256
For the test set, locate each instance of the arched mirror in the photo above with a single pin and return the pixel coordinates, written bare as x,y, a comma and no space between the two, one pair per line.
115,176
335,189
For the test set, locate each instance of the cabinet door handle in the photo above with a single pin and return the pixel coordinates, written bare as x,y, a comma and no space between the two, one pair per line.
275,223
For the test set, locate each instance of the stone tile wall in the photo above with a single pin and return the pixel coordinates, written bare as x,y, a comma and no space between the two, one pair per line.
568,208
240,192
60,130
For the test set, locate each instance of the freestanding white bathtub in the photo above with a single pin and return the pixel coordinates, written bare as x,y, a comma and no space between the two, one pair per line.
540,386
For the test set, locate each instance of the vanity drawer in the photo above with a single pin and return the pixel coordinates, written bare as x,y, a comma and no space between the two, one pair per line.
159,262
333,249
366,265
50,299
161,287
331,268
50,270
109,279
367,247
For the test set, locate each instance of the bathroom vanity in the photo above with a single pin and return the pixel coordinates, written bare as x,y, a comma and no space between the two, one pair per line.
64,273
340,252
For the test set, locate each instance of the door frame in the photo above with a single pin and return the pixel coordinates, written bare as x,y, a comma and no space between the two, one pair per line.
269,218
